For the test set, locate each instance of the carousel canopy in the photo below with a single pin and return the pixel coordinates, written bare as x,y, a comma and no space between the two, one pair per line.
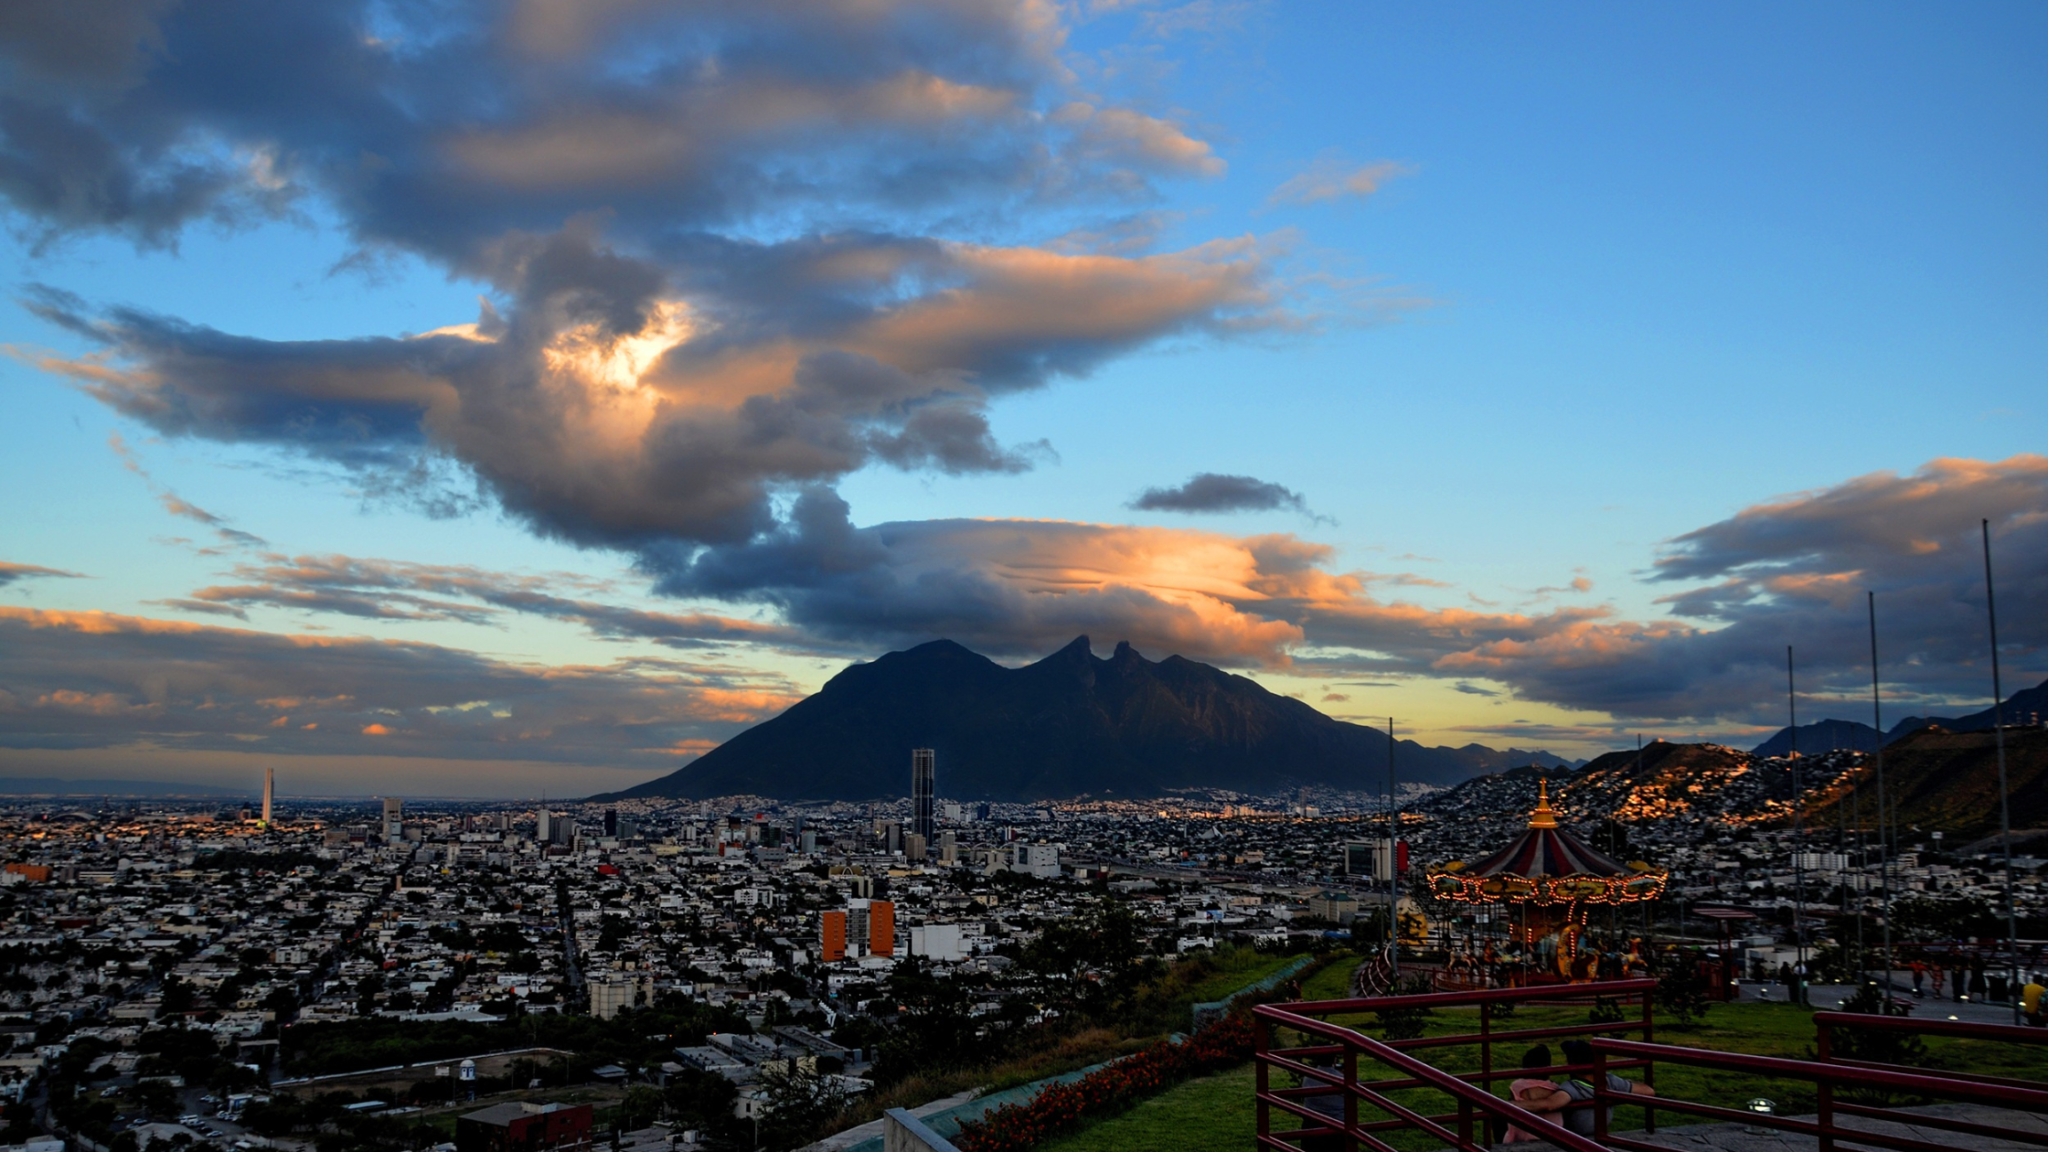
1547,865
1544,849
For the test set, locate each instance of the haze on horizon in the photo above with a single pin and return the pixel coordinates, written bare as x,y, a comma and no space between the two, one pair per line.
490,398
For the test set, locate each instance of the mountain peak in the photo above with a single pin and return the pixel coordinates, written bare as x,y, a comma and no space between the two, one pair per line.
1067,725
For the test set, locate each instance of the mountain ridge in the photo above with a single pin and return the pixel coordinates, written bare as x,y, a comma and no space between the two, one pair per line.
1854,735
1070,724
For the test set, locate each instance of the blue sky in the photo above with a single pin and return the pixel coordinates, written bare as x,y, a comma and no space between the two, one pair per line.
1625,280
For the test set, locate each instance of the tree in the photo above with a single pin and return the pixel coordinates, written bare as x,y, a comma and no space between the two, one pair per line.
798,1104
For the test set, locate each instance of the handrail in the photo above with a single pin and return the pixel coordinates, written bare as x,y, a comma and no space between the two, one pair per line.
1831,1073
1442,1081
1481,996
1964,1028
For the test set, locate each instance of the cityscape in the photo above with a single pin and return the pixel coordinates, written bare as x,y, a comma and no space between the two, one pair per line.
1023,576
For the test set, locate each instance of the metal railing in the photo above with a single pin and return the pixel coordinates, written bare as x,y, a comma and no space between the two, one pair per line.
1479,1116
1828,1077
1324,1110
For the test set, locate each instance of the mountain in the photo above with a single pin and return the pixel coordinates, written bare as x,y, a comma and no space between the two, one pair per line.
1939,779
1823,736
2026,706
1071,724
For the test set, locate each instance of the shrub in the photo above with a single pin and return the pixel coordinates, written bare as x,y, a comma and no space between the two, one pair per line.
1061,1108
1684,992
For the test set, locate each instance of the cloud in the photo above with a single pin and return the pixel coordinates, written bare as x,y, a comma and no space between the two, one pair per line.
603,413
392,590
78,680
12,573
1330,178
1218,492
169,500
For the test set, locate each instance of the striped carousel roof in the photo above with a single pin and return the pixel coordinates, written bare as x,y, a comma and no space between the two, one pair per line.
1544,849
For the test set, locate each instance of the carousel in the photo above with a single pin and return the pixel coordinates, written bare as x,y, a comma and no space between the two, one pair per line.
1547,881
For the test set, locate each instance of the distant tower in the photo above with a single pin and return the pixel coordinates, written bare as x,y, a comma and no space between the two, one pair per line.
924,794
541,830
269,789
394,818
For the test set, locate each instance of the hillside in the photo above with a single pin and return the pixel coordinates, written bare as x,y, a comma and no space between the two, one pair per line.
1949,780
1071,724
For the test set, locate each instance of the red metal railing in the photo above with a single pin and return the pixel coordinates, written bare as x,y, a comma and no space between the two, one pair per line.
1827,1077
1479,1113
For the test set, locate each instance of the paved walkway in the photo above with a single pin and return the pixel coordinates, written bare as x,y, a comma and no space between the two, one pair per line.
1747,1138
1830,996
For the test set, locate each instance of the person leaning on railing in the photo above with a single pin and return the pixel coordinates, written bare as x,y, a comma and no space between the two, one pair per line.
1579,1116
1535,1095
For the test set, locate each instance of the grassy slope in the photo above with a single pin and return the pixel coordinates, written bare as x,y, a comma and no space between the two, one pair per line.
1164,1006
1217,1111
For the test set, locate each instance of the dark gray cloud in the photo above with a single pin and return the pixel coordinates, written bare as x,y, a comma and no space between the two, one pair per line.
11,573
393,590
97,680
1221,492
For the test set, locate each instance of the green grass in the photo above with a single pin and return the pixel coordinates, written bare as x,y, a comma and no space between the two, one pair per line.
1210,1113
1217,1111
1235,970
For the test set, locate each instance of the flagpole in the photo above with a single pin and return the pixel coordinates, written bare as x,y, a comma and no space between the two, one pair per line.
1798,829
1884,855
2012,930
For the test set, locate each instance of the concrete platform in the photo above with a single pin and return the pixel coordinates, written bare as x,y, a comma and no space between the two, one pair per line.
1747,1138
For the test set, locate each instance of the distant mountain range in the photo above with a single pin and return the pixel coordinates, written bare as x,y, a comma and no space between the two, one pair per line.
55,786
1827,735
1071,724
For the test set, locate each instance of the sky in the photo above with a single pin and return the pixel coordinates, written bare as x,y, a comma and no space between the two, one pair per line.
462,398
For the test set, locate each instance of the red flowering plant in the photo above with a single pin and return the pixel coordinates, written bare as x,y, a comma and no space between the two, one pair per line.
1061,1108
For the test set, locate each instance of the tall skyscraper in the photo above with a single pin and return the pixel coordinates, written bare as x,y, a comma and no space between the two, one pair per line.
394,818
269,787
924,795
541,829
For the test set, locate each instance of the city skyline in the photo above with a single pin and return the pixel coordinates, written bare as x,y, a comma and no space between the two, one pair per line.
603,382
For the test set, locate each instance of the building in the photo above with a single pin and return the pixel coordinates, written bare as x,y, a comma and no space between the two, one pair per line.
949,848
394,818
269,788
611,823
881,928
614,992
543,825
924,798
914,847
524,1127
1370,858
1336,907
937,942
832,937
1038,860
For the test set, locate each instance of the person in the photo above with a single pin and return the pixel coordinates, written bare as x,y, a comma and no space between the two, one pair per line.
1534,1094
1919,977
1579,1116
1937,981
2030,1000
